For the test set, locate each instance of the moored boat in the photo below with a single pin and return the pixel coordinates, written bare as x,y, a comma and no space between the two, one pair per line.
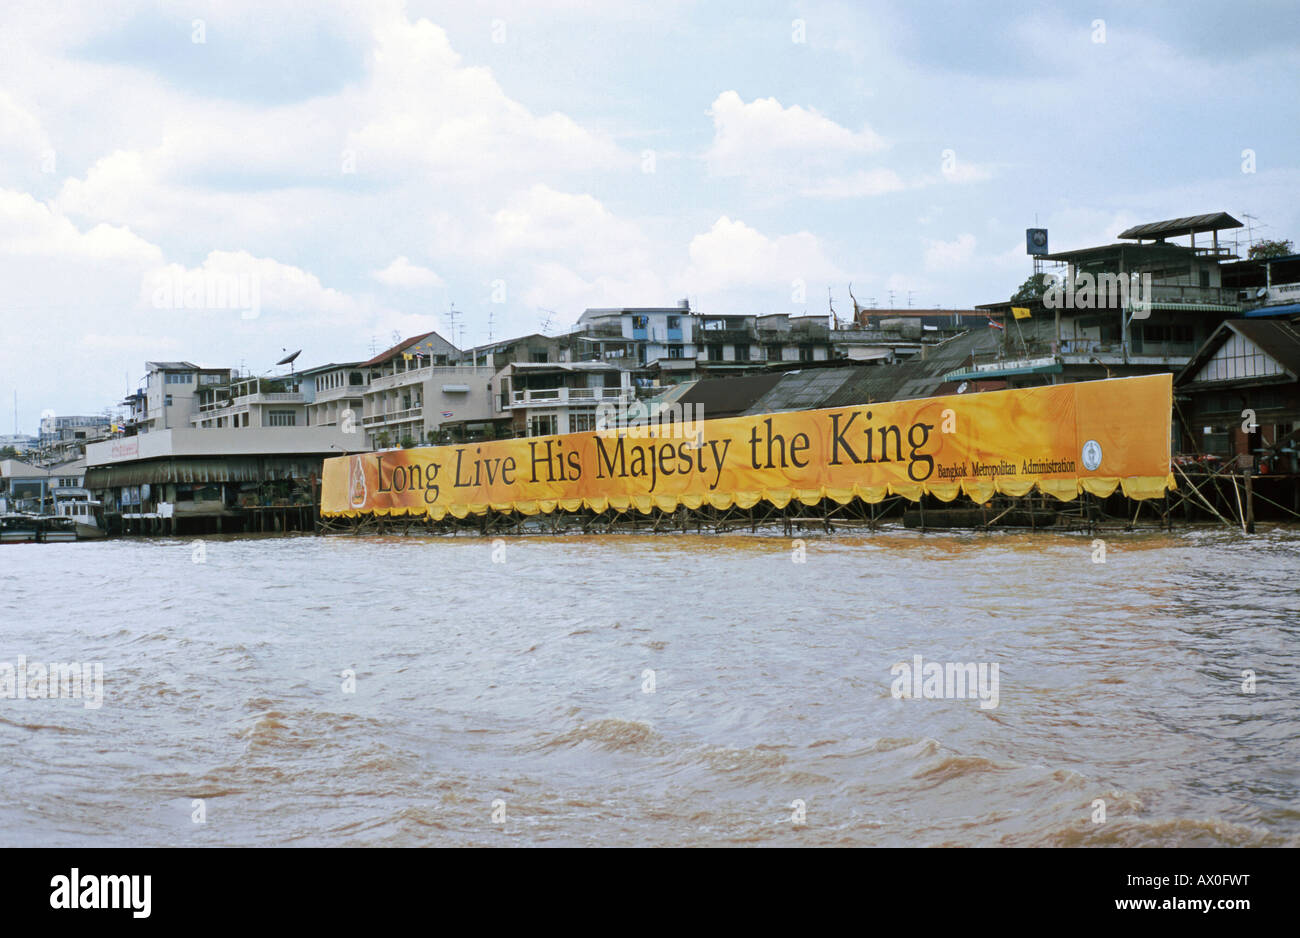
18,528
84,513
56,529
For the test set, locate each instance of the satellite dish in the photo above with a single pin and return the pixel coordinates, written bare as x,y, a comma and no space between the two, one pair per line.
961,388
288,359
1261,293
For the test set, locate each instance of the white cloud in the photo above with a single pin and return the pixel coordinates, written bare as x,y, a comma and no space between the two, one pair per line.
746,134
402,273
29,228
281,288
733,255
22,138
794,148
545,222
943,255
861,184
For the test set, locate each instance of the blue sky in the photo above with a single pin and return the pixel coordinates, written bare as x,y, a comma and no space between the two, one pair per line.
370,163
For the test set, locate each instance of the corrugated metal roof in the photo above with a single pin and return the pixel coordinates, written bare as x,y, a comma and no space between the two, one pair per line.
864,384
204,471
1280,341
399,347
728,397
1215,221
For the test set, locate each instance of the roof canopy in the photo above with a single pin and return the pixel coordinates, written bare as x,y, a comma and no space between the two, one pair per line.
1176,227
1280,341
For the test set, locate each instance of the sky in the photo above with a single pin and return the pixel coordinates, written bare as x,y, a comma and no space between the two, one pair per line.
222,182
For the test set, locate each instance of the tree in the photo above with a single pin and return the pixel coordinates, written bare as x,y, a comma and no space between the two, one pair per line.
1266,249
8,453
407,442
1031,289
382,439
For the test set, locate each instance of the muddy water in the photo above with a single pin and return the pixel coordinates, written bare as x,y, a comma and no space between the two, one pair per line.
655,690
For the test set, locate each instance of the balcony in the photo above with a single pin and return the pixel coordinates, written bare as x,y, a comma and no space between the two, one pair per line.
1193,296
261,397
550,397
726,336
393,416
1038,357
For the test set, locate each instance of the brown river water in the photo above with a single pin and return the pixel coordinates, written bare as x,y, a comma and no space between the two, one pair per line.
657,690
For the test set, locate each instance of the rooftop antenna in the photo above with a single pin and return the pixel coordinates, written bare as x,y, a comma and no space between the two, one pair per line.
1249,218
909,298
489,327
453,318
546,323
891,299
374,348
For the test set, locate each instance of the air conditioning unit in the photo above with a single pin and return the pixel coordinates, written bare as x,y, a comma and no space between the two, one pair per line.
1035,241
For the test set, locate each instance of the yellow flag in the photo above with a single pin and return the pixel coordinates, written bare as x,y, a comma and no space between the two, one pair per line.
1020,312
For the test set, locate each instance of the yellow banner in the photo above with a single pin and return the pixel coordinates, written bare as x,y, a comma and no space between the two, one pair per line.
1063,439
1020,312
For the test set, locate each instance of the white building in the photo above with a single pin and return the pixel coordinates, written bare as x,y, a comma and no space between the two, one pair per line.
169,398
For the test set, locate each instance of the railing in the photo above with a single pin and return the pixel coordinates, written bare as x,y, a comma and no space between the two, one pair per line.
388,382
394,416
1079,351
601,332
1174,293
726,336
568,396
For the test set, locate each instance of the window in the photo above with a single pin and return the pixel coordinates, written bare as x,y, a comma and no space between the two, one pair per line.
742,353
674,322
805,353
674,351
356,378
280,418
168,401
774,353
715,353
536,356
185,377
211,379
640,322
582,423
541,425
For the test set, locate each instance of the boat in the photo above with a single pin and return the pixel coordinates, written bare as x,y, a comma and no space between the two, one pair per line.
56,529
84,513
18,528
